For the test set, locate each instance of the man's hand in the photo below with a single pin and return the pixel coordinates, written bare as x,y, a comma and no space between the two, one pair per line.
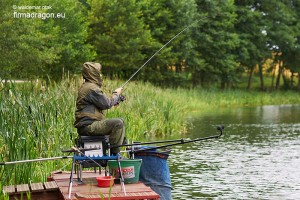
121,99
118,91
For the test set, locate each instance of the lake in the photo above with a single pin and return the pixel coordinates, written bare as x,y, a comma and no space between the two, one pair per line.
258,157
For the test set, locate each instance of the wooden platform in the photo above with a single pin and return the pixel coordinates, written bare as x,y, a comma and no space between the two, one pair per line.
38,191
58,186
88,189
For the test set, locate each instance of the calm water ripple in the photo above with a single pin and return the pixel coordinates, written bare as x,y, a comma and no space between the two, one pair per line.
251,161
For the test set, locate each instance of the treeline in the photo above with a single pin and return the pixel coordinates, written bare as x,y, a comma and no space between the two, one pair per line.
227,41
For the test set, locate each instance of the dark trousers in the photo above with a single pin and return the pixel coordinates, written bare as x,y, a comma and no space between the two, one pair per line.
113,127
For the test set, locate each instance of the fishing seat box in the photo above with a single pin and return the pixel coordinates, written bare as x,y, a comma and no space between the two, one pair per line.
100,142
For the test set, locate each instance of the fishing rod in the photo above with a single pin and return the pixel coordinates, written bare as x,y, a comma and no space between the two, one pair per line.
182,141
72,150
34,160
175,142
161,49
145,143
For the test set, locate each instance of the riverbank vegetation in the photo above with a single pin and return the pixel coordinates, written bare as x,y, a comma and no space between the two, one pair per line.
227,40
37,118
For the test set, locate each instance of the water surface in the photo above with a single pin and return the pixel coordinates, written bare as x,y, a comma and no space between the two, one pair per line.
257,158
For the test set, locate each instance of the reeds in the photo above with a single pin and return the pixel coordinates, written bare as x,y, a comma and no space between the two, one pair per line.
36,122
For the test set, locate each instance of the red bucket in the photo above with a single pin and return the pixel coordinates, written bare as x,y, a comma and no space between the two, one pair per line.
105,181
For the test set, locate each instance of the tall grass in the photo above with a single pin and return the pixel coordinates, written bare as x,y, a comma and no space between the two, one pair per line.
35,123
37,118
149,110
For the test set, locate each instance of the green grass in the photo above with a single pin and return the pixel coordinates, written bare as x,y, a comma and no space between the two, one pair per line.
207,99
37,119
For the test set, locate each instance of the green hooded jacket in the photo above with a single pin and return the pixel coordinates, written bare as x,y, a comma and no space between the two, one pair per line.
91,101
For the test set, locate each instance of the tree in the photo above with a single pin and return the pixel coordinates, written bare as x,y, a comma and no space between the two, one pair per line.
37,46
69,38
23,47
166,19
253,49
291,49
217,41
280,19
118,35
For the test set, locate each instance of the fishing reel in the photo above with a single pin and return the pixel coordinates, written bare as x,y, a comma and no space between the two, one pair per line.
120,99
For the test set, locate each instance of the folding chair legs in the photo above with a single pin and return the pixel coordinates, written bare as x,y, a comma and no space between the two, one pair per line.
79,175
121,176
71,178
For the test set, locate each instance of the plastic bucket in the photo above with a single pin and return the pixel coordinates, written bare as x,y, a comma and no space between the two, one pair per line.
130,169
105,181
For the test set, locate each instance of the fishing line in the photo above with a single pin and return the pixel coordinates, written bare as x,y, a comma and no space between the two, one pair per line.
161,49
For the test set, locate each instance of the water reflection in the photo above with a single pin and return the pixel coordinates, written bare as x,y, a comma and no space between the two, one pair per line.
257,158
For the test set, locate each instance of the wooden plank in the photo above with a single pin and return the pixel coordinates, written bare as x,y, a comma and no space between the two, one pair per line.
23,188
35,187
118,196
9,189
50,185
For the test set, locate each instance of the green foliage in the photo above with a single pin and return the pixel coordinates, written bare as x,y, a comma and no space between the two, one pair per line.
118,34
22,45
226,40
216,41
267,28
166,19
70,39
251,29
37,47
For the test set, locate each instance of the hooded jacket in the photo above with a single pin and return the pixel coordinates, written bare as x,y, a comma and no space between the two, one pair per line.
91,101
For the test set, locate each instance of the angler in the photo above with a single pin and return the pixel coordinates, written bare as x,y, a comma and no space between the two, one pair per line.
90,106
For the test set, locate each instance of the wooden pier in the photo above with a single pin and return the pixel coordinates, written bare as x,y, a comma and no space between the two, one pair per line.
37,191
58,186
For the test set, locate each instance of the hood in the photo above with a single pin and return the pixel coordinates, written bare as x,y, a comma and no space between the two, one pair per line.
91,73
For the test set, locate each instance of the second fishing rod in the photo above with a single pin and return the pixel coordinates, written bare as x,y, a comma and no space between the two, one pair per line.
172,142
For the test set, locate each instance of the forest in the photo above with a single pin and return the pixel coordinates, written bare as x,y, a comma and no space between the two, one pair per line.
228,41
